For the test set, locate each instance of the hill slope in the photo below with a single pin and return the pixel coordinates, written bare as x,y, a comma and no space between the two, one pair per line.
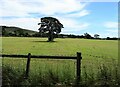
11,30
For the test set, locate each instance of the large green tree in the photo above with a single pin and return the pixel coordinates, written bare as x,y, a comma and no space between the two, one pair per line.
50,26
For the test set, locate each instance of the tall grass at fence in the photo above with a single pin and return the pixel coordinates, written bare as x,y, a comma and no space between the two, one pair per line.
48,71
60,72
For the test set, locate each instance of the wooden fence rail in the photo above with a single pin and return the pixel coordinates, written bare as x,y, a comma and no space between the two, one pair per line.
29,56
39,56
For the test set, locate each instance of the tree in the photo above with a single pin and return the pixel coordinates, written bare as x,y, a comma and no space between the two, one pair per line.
88,36
4,31
96,36
21,33
50,26
108,38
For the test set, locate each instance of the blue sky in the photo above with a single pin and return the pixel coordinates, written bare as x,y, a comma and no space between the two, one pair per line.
103,18
93,17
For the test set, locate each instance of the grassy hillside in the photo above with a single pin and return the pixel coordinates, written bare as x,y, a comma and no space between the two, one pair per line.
10,29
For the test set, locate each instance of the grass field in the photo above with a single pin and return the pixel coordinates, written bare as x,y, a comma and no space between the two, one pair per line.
99,59
104,48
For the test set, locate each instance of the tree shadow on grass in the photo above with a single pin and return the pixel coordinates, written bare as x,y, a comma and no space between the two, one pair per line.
44,41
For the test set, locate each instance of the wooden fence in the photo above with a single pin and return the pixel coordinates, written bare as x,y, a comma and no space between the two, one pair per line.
29,56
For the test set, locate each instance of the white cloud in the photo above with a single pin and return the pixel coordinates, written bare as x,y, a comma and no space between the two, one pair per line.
111,25
76,27
112,31
27,23
79,14
12,8
99,0
45,7
111,28
104,0
60,9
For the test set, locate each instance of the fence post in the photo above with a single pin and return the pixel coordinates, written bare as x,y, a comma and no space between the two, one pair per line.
78,66
28,66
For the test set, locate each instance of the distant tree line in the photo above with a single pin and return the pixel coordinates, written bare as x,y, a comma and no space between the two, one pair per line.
22,33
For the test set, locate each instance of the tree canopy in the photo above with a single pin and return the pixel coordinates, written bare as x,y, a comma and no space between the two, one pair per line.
51,26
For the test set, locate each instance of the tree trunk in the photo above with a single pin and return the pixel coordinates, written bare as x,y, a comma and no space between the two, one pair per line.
50,36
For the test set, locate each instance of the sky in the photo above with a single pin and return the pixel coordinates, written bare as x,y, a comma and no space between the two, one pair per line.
77,16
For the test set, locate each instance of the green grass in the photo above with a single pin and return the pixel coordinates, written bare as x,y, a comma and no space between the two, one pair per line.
102,48
48,70
99,60
63,72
